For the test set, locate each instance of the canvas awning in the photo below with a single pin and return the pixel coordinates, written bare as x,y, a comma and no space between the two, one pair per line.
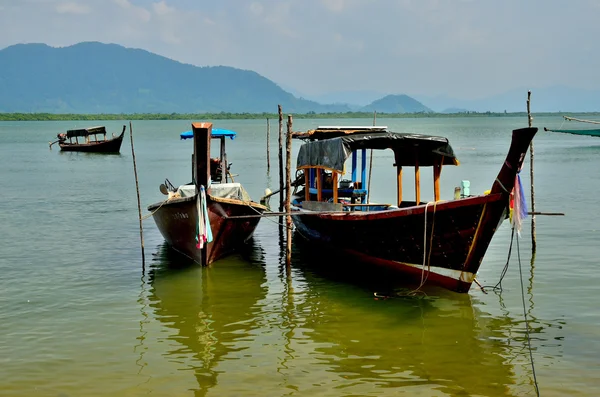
409,150
86,131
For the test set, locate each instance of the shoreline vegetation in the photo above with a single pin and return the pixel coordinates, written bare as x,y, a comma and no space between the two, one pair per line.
256,116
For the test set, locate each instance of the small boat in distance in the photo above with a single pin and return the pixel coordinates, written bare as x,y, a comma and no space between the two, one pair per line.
437,242
212,216
90,143
586,132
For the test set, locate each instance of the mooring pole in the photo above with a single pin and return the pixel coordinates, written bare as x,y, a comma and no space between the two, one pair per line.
268,151
280,157
137,189
531,153
288,192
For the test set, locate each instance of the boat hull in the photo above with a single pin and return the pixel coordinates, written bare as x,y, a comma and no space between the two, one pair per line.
109,146
177,218
441,244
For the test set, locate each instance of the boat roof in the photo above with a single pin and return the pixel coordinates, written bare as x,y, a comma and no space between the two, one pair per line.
86,131
216,133
409,149
333,131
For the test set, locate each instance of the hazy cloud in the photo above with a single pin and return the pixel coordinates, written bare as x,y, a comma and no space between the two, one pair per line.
427,47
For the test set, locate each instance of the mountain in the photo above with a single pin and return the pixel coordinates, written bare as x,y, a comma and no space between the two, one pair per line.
547,99
396,104
94,77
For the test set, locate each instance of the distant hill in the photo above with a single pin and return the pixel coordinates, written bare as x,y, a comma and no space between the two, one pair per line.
546,99
94,77
396,104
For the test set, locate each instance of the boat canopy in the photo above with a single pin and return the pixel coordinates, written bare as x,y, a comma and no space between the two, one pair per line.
409,150
86,131
588,132
216,133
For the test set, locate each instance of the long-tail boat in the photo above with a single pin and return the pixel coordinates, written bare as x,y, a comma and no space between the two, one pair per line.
69,141
437,242
213,216
587,132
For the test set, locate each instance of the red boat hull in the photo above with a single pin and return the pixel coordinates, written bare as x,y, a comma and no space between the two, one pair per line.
177,219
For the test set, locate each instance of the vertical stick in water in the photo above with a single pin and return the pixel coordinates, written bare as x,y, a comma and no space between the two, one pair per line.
280,158
288,191
529,121
268,151
137,189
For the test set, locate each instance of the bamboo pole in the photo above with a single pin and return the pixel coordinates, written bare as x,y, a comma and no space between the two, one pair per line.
531,154
280,156
268,150
288,193
583,121
137,189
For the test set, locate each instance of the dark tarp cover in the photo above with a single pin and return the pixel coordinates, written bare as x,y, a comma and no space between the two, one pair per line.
86,132
408,149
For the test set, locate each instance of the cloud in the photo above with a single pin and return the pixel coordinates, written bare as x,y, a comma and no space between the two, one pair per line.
464,48
73,8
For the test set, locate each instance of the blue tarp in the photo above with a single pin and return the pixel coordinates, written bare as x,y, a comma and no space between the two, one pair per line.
216,133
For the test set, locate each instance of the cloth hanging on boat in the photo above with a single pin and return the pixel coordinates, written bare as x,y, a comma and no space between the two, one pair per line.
519,211
203,230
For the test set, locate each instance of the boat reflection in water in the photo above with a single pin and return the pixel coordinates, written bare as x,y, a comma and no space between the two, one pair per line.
246,328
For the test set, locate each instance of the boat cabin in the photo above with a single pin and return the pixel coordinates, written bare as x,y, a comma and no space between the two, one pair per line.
322,159
85,133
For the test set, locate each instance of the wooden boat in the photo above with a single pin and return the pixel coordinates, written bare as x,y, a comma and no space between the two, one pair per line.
195,218
437,242
90,143
586,132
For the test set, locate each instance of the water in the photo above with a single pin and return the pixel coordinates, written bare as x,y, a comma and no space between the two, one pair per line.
79,318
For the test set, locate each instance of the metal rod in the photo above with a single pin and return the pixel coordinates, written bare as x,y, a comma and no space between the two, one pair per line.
137,189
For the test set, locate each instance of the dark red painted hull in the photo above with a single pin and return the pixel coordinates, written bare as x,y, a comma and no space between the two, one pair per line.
109,146
458,234
177,220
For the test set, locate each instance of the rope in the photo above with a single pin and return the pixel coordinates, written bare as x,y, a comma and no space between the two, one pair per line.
527,330
426,254
498,286
154,212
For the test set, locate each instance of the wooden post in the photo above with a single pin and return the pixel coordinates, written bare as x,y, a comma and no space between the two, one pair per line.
280,157
334,185
307,184
137,189
529,122
437,171
288,193
417,183
399,183
223,156
268,144
319,184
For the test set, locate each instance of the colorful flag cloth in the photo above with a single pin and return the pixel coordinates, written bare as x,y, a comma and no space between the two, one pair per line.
203,230
520,205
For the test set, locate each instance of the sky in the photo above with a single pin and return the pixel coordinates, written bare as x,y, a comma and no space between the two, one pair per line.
459,48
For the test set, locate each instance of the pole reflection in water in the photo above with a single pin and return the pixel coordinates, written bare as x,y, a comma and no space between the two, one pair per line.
249,325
